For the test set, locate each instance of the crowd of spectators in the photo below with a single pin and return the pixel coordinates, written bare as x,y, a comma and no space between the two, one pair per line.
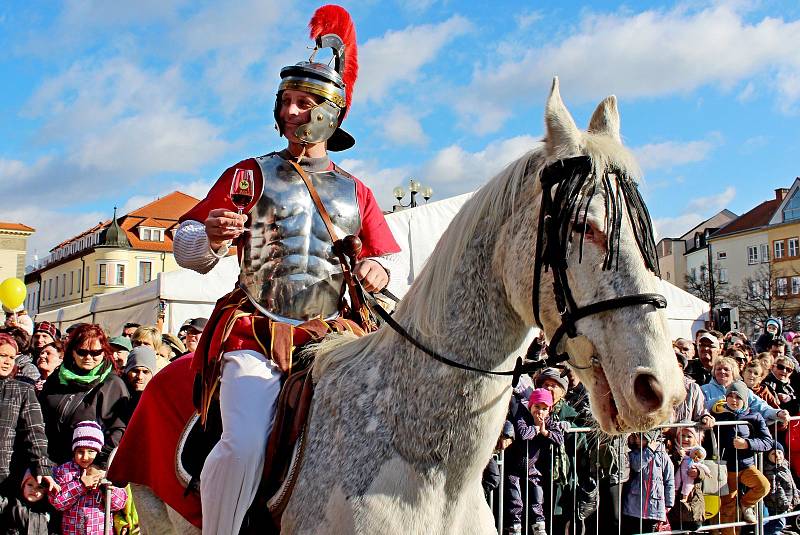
65,401
740,395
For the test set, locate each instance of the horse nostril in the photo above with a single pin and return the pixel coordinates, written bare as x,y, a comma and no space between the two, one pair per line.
648,391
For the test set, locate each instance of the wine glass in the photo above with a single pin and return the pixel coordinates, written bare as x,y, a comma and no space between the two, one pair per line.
242,188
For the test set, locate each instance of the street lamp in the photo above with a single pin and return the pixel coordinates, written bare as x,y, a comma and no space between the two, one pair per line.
414,188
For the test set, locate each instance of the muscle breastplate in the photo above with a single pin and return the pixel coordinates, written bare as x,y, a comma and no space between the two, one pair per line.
288,267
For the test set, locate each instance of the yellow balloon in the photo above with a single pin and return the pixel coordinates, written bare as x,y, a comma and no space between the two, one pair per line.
12,292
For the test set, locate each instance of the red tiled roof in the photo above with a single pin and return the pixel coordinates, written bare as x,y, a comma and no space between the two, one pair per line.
756,218
150,222
16,226
171,206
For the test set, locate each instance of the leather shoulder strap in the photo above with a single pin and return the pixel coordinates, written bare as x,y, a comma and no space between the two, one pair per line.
317,201
348,275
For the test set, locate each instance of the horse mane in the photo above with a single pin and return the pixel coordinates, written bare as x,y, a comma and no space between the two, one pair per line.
423,311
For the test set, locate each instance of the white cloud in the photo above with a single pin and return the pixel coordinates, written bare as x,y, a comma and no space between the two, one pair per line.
527,19
402,127
672,227
397,57
647,54
669,154
712,203
109,123
454,170
52,227
381,180
697,210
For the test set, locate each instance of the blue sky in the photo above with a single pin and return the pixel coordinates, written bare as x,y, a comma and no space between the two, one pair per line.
115,103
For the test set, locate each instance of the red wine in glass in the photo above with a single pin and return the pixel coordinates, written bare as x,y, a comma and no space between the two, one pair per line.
242,188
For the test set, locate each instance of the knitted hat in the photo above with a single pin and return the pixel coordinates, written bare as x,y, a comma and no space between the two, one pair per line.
555,375
740,389
541,395
88,434
141,357
773,321
47,327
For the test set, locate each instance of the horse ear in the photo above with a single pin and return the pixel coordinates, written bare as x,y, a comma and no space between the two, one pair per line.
563,136
605,119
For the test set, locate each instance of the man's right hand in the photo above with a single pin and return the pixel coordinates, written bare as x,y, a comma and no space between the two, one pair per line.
223,225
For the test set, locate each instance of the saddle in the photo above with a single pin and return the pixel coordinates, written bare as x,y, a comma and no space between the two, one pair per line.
283,454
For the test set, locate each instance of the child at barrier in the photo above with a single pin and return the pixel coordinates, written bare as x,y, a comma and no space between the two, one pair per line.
529,457
738,445
650,491
81,496
783,496
688,512
29,513
692,459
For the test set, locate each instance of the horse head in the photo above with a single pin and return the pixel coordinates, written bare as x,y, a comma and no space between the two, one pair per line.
593,243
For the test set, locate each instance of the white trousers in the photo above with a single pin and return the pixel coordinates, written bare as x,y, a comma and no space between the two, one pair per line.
248,394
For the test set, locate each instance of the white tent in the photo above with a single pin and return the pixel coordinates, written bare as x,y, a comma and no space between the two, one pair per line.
187,294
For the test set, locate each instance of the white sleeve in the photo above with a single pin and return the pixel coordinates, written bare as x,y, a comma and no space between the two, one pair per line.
192,249
394,266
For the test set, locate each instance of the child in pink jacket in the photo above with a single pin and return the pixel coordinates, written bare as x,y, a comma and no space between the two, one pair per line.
81,497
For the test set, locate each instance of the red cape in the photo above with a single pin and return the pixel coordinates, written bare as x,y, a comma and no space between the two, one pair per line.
146,454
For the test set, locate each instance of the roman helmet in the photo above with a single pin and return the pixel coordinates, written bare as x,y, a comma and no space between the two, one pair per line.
330,27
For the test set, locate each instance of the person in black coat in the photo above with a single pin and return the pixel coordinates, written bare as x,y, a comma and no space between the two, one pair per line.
86,387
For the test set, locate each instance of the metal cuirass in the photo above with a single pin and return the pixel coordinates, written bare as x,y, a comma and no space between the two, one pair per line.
288,268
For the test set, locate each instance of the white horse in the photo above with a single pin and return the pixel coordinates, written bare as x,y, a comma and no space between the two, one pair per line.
396,442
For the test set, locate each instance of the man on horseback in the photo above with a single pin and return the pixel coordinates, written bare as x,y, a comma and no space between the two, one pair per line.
292,283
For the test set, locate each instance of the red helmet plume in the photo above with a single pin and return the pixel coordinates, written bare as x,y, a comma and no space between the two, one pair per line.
333,19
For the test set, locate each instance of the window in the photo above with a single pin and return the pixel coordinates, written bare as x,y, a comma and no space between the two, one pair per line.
49,289
71,282
795,285
752,254
792,209
778,249
722,255
780,286
792,246
101,274
120,272
694,274
145,272
86,278
668,277
764,253
151,234
55,292
723,275
63,285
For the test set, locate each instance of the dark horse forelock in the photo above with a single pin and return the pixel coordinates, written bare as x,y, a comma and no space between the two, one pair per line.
564,210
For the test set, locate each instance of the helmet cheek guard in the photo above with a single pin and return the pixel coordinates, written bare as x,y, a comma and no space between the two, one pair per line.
324,121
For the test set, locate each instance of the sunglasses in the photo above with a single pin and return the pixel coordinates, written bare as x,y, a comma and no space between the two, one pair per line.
781,367
86,352
742,359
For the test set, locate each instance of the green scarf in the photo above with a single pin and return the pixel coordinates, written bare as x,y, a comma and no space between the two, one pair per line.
96,375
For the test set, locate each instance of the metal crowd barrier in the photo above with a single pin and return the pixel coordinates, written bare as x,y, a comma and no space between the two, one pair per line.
497,498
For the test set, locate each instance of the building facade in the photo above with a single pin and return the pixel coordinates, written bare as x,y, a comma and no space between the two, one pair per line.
111,256
13,248
679,257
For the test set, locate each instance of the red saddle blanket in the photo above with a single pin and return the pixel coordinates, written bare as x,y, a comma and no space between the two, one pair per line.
146,454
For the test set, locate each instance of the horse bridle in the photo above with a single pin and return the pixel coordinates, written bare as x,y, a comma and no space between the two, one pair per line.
549,255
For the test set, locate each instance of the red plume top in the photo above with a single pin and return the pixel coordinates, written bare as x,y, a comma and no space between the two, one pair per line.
335,19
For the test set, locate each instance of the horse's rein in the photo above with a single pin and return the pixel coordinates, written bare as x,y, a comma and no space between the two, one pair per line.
570,312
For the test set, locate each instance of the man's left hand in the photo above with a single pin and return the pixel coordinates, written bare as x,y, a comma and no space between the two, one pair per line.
372,275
